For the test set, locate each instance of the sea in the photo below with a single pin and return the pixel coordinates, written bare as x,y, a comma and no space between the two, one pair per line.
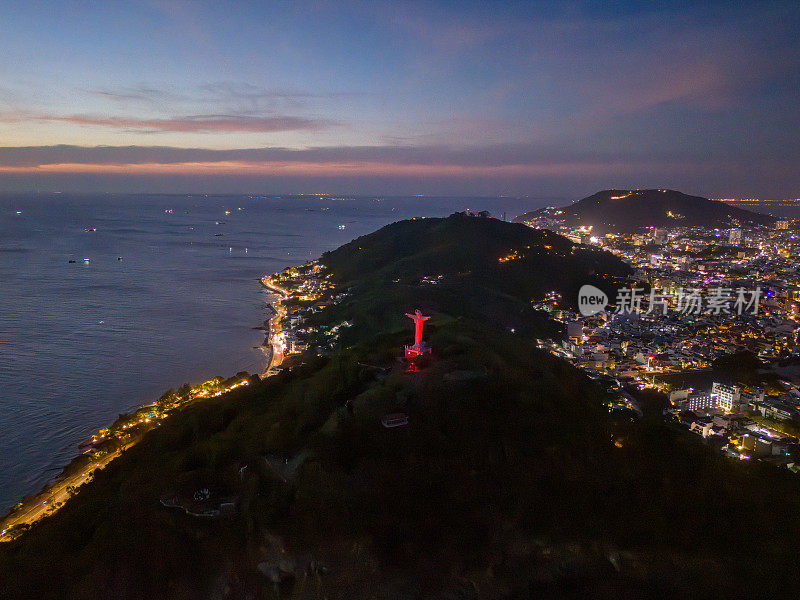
107,301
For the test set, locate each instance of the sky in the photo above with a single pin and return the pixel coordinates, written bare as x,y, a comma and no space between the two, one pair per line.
546,99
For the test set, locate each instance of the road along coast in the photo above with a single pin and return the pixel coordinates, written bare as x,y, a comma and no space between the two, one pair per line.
103,447
274,340
107,444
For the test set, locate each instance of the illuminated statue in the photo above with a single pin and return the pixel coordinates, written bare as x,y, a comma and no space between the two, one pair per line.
419,348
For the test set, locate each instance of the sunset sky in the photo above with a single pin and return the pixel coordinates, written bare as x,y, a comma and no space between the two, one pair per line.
484,98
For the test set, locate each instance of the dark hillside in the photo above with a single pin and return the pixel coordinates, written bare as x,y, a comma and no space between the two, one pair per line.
463,266
510,480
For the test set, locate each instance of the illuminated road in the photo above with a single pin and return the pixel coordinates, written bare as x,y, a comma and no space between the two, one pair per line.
48,501
275,332
43,504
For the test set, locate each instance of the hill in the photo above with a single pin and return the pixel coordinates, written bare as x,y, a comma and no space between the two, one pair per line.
629,211
510,480
462,265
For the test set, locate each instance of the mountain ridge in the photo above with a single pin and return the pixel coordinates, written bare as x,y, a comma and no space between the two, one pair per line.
630,211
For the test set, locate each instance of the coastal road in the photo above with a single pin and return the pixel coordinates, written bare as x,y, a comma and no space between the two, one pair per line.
44,502
47,501
276,357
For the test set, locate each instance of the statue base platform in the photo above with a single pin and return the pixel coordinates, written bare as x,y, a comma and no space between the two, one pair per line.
413,352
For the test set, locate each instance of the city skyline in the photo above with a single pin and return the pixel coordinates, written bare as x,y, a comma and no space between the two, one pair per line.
544,99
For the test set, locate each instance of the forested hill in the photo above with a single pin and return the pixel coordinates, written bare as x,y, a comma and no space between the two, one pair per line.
465,265
629,211
510,479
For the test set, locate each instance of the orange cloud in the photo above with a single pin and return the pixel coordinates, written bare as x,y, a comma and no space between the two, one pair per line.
332,169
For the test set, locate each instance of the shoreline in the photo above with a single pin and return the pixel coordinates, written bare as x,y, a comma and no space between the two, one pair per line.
56,492
266,345
102,448
275,356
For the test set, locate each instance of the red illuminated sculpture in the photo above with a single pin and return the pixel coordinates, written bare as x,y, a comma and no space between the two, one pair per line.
419,348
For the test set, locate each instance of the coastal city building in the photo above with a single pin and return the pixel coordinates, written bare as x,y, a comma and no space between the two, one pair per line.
696,296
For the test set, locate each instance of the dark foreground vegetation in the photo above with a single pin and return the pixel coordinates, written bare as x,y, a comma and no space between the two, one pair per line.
511,479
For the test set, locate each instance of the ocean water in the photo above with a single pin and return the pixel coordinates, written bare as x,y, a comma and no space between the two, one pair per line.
82,342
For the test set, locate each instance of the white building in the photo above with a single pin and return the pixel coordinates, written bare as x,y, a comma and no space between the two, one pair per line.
733,398
726,396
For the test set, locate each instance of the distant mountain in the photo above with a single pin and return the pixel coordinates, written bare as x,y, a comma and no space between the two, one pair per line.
628,211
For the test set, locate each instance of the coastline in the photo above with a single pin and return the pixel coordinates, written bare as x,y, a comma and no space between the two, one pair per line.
266,282
266,345
103,448
272,340
80,469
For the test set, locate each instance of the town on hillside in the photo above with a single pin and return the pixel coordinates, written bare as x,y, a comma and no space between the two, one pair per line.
709,318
